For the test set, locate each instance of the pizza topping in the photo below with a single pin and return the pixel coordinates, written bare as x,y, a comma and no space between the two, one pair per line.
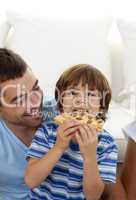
97,123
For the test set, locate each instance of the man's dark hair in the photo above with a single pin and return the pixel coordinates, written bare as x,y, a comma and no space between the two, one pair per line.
12,66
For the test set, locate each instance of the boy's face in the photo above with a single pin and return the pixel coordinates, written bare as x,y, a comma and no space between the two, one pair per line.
81,99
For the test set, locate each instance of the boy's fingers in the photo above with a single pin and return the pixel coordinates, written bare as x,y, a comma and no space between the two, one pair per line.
94,135
69,137
83,134
70,131
92,130
69,124
79,140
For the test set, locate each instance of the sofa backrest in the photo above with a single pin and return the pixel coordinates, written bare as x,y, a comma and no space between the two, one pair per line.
50,45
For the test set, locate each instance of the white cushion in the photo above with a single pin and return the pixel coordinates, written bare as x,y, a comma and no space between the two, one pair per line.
4,28
128,33
115,47
51,45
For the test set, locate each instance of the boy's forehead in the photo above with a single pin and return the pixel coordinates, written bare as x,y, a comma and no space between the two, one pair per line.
75,85
82,86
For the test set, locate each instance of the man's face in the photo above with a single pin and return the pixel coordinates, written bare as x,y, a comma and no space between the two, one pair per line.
21,101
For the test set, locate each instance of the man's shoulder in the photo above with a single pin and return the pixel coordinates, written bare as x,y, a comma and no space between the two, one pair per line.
3,128
1,122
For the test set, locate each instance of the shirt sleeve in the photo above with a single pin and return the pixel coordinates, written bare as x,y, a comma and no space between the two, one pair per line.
40,144
130,130
107,159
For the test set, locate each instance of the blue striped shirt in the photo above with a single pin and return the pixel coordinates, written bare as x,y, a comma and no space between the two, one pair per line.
65,180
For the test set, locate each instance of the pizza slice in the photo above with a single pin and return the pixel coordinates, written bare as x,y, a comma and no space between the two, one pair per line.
97,123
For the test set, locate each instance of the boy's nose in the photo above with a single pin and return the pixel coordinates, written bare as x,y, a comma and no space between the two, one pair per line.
81,103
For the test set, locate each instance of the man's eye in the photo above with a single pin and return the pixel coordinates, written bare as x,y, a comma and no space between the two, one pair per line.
22,99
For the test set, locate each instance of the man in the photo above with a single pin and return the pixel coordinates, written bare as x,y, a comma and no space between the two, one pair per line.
21,114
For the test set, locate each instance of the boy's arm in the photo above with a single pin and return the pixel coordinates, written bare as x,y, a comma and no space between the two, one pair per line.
92,183
39,169
95,177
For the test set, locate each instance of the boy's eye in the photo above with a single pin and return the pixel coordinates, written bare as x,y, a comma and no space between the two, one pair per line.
74,93
71,92
92,94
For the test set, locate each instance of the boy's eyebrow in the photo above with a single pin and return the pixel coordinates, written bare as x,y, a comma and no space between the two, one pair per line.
73,87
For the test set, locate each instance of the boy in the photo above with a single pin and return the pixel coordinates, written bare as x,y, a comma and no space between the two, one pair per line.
73,160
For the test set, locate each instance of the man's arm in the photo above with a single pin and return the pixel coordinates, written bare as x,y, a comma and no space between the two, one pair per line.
129,170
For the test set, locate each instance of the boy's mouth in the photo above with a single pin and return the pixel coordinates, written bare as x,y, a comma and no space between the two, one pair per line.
79,111
82,112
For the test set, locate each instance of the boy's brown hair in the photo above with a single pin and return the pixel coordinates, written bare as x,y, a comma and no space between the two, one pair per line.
86,74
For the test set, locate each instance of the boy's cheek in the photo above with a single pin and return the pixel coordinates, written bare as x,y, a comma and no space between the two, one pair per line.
94,109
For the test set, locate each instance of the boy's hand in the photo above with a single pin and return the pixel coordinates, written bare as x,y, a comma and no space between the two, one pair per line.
87,140
65,133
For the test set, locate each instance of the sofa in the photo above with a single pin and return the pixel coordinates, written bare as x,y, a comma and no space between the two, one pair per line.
51,44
